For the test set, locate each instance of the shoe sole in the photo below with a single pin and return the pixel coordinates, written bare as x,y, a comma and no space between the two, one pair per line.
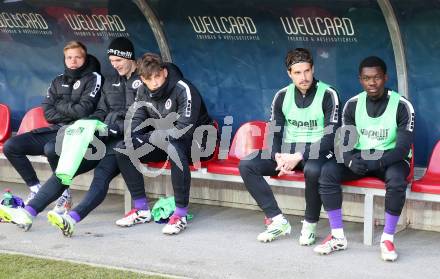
327,253
131,225
306,244
25,227
56,221
388,260
272,239
172,233
124,226
5,216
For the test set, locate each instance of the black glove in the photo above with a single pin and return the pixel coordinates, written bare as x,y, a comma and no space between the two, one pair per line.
357,165
113,130
372,165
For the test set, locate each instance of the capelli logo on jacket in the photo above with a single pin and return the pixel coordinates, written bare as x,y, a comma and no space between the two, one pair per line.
311,124
378,134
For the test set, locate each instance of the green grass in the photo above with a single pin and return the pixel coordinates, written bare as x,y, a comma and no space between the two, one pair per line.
18,266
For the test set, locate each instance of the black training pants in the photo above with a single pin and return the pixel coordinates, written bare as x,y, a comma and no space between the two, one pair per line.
394,176
53,189
105,171
30,143
180,178
253,170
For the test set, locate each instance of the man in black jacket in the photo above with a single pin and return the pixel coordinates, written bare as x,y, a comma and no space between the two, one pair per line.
381,122
71,96
118,93
175,109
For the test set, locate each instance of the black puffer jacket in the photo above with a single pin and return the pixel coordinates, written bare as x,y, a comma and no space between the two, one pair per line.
74,94
117,96
175,95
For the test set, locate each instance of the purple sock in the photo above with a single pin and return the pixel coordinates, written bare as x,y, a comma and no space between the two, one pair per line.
390,223
141,203
75,216
181,211
335,218
31,211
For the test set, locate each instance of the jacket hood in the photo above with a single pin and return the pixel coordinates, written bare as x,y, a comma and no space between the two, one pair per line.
174,75
90,65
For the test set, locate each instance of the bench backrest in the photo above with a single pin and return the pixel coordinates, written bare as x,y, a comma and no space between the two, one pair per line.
434,161
33,119
248,138
5,123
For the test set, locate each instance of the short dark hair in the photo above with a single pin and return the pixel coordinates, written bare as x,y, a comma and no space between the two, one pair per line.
373,61
149,64
298,55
